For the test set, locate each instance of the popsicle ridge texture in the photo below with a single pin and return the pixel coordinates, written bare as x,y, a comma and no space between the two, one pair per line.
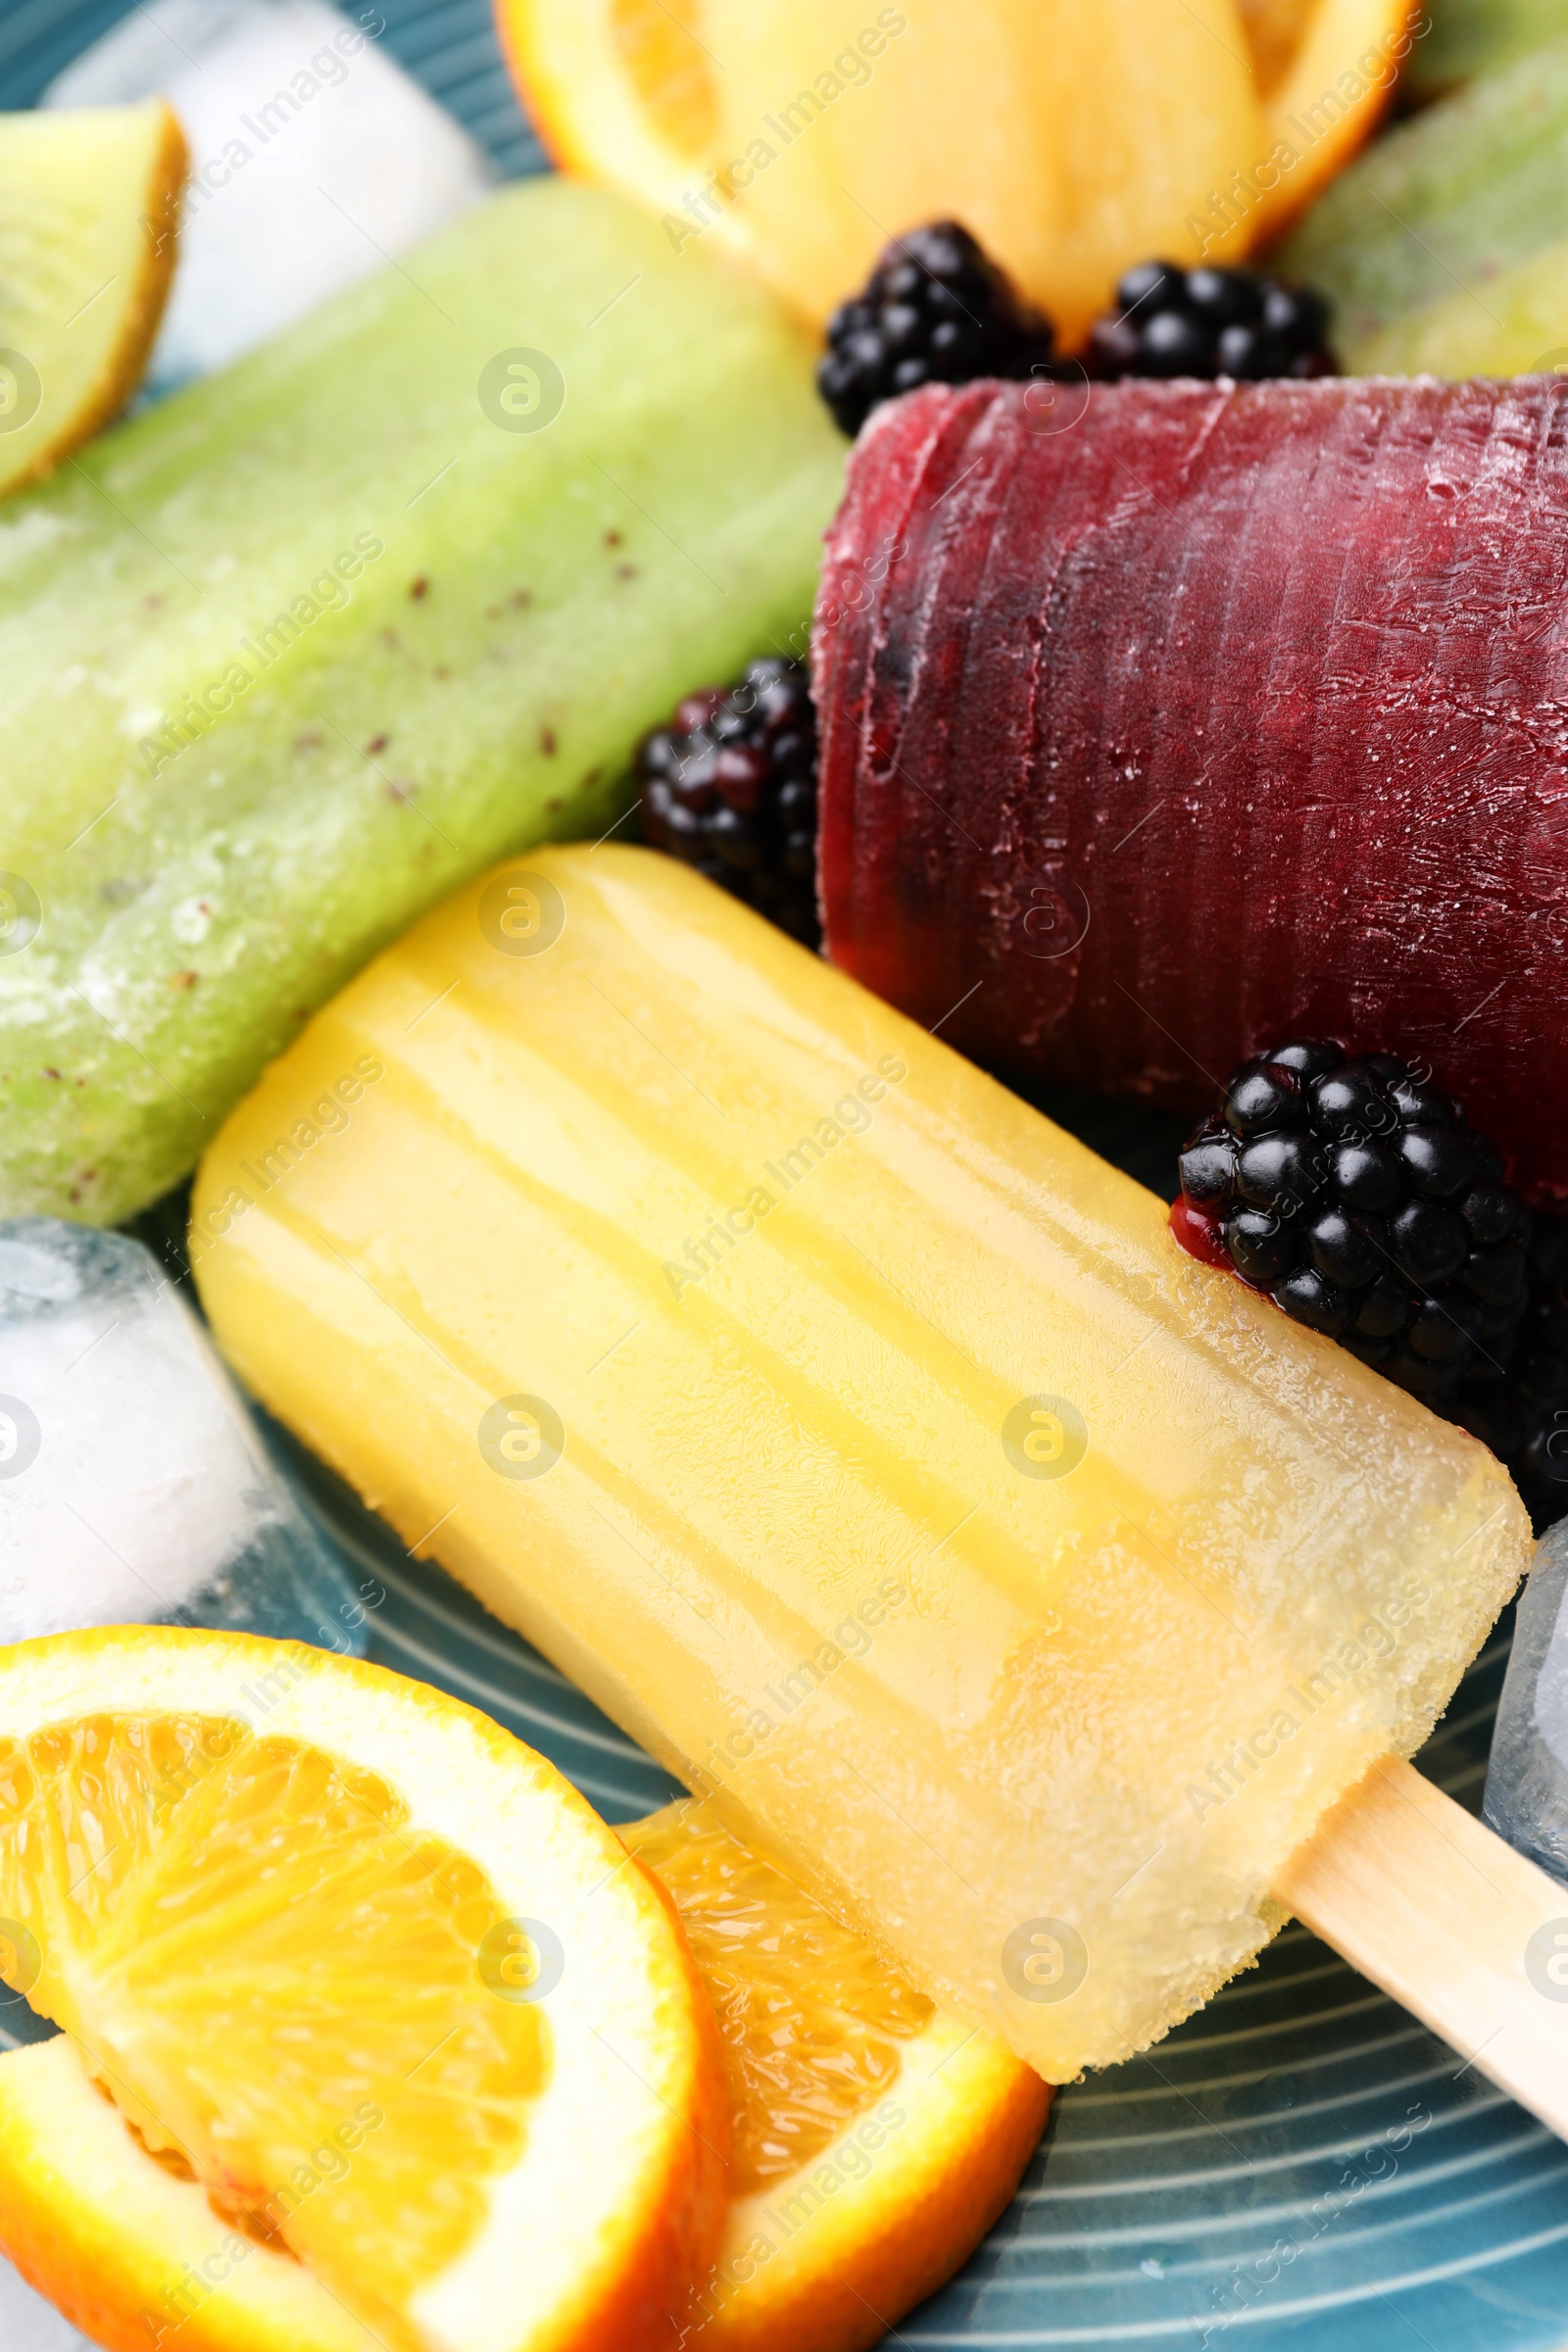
1162,727
285,659
863,1445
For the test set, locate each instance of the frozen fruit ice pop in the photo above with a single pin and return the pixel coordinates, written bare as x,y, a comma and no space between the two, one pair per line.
1526,1778
133,1485
287,657
1459,194
858,1439
1160,728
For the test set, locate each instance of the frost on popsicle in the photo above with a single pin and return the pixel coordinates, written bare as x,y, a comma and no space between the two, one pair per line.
1230,713
858,1441
285,659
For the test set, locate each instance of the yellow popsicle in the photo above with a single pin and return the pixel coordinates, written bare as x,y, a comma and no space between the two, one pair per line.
858,1439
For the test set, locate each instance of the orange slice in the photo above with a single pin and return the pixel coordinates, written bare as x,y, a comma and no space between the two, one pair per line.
875,2143
1275,30
876,2138
127,2246
1325,72
802,137
409,2053
89,214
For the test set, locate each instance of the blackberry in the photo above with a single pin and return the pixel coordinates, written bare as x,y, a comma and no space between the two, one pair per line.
936,310
1209,323
730,787
1354,1193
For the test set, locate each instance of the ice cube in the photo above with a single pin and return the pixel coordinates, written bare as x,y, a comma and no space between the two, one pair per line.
133,1483
1527,1780
314,160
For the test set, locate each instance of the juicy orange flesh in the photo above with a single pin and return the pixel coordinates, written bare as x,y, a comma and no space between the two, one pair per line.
810,2014
1275,30
668,70
276,1979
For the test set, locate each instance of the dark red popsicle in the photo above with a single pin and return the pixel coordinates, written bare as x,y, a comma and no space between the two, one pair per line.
1208,716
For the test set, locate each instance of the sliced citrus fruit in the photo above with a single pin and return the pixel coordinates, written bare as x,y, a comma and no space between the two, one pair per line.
875,2141
1274,31
803,136
376,1991
876,2138
1326,81
127,2245
89,214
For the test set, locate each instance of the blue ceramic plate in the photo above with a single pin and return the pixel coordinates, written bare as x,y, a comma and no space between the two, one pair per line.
1299,2169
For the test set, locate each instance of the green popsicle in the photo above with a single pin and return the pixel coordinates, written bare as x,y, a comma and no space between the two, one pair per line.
1467,37
1436,246
285,659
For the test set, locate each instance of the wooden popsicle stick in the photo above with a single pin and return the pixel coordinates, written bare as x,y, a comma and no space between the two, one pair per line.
1441,1913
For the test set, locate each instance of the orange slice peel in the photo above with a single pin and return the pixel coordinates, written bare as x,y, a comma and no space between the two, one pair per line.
374,1988
876,2139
